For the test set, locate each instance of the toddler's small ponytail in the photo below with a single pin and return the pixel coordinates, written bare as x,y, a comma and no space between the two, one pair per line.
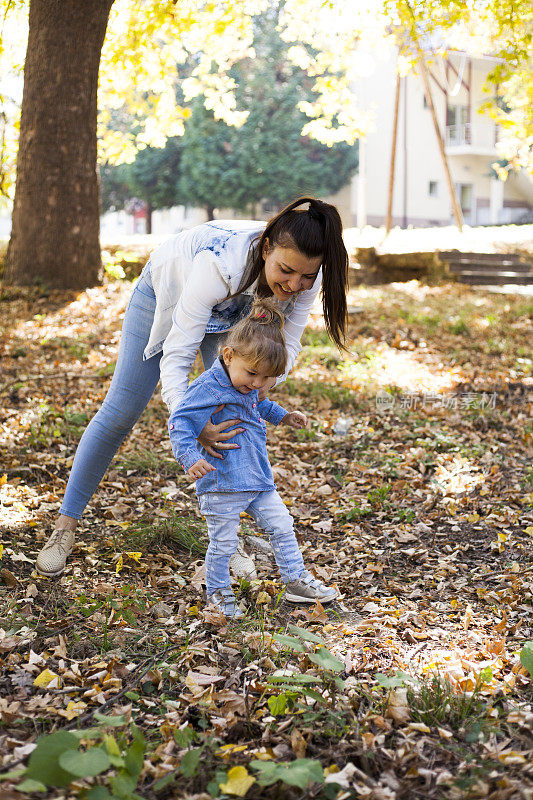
259,338
265,312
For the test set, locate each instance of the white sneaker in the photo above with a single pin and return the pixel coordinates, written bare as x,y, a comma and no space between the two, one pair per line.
225,600
308,589
242,565
52,558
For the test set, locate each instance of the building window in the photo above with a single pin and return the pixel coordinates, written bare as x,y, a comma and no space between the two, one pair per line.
433,190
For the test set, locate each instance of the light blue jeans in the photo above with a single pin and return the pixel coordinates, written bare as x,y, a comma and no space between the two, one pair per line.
222,511
134,382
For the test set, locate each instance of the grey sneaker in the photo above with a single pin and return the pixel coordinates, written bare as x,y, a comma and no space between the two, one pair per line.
241,565
308,589
52,558
225,600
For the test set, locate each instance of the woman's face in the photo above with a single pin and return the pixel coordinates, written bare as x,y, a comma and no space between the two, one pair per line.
287,271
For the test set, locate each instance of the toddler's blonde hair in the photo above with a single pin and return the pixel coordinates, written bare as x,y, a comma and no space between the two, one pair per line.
258,338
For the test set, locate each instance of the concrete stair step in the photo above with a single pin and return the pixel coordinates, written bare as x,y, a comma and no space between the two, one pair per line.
495,278
482,266
458,256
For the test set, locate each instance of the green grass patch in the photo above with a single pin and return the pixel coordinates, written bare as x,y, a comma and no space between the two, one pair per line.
178,532
64,425
143,460
435,702
340,396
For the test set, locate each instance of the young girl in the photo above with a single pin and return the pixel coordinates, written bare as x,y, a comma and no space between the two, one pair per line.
253,354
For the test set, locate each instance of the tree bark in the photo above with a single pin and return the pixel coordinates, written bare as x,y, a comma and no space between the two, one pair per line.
55,230
210,211
149,212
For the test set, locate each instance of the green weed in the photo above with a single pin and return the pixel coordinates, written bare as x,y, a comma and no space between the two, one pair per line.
436,702
378,497
316,338
429,321
458,326
176,531
143,460
527,482
354,513
340,396
405,515
53,423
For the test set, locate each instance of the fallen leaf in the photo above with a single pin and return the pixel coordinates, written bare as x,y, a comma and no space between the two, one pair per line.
45,678
298,743
238,783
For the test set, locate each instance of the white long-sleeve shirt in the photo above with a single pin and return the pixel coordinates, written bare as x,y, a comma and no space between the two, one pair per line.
193,274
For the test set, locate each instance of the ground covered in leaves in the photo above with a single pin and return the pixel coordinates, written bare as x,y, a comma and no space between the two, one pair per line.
412,491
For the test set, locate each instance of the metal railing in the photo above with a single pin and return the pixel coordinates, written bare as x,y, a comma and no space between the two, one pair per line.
478,134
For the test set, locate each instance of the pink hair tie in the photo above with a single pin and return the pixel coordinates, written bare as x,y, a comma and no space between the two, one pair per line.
261,315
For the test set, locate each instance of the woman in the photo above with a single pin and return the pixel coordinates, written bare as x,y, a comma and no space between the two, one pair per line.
194,288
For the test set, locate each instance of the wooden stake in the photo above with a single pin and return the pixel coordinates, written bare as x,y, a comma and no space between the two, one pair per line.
458,214
393,153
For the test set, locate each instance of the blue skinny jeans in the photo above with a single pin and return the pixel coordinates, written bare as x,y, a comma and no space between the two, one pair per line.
134,382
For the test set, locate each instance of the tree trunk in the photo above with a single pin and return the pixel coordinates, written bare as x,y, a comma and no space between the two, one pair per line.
210,211
149,211
55,233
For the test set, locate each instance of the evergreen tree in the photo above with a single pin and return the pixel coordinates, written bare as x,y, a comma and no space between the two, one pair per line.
267,159
214,165
210,166
152,177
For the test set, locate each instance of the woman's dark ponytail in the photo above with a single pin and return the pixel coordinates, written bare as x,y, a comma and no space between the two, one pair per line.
315,231
334,272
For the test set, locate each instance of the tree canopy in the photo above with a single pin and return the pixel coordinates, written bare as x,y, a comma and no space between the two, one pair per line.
266,159
138,76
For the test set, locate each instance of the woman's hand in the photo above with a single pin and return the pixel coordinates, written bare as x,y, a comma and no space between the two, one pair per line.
200,469
264,390
296,419
216,436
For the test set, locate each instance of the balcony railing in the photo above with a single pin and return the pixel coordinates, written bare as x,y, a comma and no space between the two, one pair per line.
475,135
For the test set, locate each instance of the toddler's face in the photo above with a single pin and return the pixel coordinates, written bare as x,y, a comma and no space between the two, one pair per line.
243,377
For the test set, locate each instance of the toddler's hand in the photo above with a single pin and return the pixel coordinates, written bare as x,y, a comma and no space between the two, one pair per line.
200,469
296,419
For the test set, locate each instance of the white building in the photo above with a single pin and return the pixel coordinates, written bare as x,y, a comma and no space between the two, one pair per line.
421,196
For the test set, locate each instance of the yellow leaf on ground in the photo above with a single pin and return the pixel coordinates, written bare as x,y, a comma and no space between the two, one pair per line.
529,530
228,749
512,757
262,597
136,556
238,783
421,727
44,678
3,479
120,564
74,709
1,550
